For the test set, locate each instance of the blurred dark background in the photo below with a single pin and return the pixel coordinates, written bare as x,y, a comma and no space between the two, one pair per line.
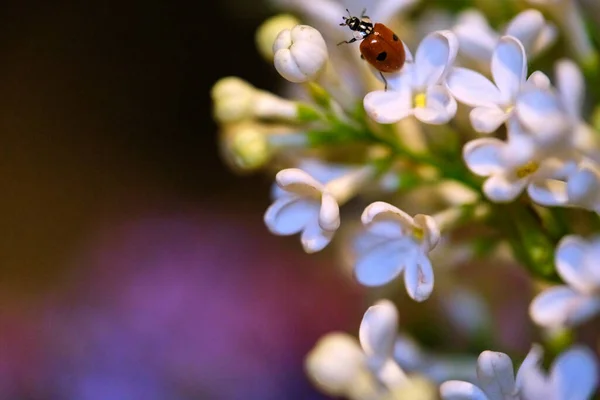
133,264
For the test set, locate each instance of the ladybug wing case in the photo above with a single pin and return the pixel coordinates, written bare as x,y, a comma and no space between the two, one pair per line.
383,49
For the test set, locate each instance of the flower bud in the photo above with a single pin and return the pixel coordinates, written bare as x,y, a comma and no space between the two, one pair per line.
235,100
268,31
338,367
232,99
300,54
246,146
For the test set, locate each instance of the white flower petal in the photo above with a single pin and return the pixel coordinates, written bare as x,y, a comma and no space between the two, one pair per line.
388,107
571,265
548,192
527,26
440,107
495,375
571,86
329,215
540,111
380,210
509,67
391,375
531,363
380,265
546,38
296,181
535,385
289,215
539,80
418,277
459,390
314,238
435,54
472,88
431,231
477,40
561,306
487,119
483,156
501,189
574,374
378,329
583,187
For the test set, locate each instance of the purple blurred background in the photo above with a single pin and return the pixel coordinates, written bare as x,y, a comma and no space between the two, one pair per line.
133,264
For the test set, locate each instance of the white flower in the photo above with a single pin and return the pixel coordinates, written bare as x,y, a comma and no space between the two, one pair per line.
392,243
568,16
342,367
571,304
418,89
235,99
478,40
514,165
310,207
573,375
495,377
268,31
300,53
493,102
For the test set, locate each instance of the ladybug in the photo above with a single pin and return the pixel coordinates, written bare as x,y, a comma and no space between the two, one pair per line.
380,46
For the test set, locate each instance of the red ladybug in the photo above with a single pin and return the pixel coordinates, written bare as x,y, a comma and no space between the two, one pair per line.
380,46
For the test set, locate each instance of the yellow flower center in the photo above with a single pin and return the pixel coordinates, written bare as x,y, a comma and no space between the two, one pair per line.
418,234
420,100
527,169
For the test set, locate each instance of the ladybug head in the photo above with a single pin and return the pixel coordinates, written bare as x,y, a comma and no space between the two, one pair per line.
360,24
351,22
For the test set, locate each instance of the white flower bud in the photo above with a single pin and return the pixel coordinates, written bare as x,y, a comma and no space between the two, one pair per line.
338,367
245,146
235,100
268,31
300,54
249,145
232,99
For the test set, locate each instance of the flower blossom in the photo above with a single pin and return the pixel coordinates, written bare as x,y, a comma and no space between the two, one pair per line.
478,40
418,88
493,102
576,262
495,377
341,366
394,242
572,376
310,207
567,15
515,165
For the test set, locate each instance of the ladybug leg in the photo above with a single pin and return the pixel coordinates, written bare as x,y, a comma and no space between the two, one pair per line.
347,41
384,80
363,15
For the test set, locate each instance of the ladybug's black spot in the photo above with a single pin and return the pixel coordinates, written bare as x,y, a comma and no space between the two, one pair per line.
395,37
361,56
382,56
